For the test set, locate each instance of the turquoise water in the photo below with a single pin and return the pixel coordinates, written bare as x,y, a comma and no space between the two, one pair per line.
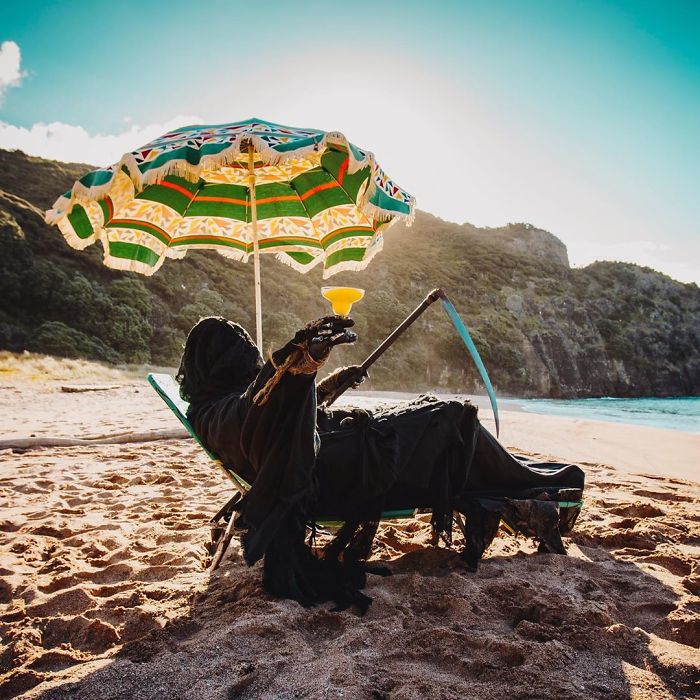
675,414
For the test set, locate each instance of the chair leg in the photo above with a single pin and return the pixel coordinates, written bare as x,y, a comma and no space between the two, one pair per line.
227,509
223,545
221,531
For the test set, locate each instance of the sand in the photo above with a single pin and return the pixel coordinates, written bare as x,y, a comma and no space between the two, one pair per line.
104,594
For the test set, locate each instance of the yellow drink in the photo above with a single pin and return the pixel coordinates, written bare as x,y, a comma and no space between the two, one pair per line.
342,298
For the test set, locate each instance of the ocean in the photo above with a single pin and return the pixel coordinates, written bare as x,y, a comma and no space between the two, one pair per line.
682,413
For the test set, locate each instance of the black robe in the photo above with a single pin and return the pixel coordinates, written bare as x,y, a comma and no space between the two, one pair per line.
307,462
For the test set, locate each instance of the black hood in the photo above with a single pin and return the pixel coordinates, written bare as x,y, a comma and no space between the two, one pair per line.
219,358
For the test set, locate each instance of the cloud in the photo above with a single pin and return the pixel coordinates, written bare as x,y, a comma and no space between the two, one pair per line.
10,66
71,143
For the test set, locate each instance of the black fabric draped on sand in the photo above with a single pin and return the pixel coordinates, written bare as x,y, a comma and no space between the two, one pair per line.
305,461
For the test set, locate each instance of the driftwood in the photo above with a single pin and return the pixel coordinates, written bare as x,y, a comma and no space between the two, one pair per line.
78,388
117,439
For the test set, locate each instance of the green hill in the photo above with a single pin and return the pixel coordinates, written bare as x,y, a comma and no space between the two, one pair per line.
543,328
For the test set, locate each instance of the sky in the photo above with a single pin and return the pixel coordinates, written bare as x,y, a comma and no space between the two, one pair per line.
579,117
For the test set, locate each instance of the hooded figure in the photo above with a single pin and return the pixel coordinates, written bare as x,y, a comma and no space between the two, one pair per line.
305,461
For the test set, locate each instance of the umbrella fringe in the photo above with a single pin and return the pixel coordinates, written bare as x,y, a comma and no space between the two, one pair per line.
229,253
175,253
233,153
72,239
379,214
373,211
127,265
299,267
356,265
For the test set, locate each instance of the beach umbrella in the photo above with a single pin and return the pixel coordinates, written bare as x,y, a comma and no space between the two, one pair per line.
245,188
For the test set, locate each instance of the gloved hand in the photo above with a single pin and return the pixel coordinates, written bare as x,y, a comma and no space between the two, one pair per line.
323,334
355,373
338,378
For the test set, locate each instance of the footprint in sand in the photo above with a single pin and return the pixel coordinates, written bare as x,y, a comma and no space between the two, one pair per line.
114,558
55,661
685,627
66,510
76,501
113,508
120,603
624,524
57,563
322,626
172,537
692,581
128,456
60,531
157,593
171,559
180,525
656,608
114,573
73,601
638,510
677,565
628,540
80,632
12,525
60,583
6,591
664,496
117,479
157,573
110,590
19,682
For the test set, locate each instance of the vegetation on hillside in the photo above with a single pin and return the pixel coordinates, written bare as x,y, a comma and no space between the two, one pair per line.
542,328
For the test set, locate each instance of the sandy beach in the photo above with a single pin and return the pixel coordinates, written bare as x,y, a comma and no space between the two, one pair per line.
104,592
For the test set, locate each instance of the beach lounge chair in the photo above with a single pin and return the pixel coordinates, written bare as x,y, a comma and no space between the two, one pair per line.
488,510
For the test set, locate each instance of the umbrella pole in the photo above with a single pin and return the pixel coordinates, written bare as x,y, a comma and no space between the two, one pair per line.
256,247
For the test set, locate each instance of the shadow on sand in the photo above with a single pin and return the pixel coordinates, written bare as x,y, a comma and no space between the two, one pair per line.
590,625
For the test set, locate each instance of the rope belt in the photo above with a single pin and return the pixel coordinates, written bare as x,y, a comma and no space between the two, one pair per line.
299,361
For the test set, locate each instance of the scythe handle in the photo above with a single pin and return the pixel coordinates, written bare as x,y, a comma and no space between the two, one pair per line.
389,341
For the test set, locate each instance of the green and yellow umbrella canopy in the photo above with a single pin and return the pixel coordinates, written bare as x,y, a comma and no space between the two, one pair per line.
311,197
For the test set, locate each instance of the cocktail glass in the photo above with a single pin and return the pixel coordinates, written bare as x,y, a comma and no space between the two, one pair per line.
342,298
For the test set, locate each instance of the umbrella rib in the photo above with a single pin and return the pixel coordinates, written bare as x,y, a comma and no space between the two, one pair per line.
340,184
355,201
200,184
181,220
317,236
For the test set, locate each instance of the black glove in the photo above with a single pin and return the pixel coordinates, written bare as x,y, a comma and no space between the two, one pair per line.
355,373
321,335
